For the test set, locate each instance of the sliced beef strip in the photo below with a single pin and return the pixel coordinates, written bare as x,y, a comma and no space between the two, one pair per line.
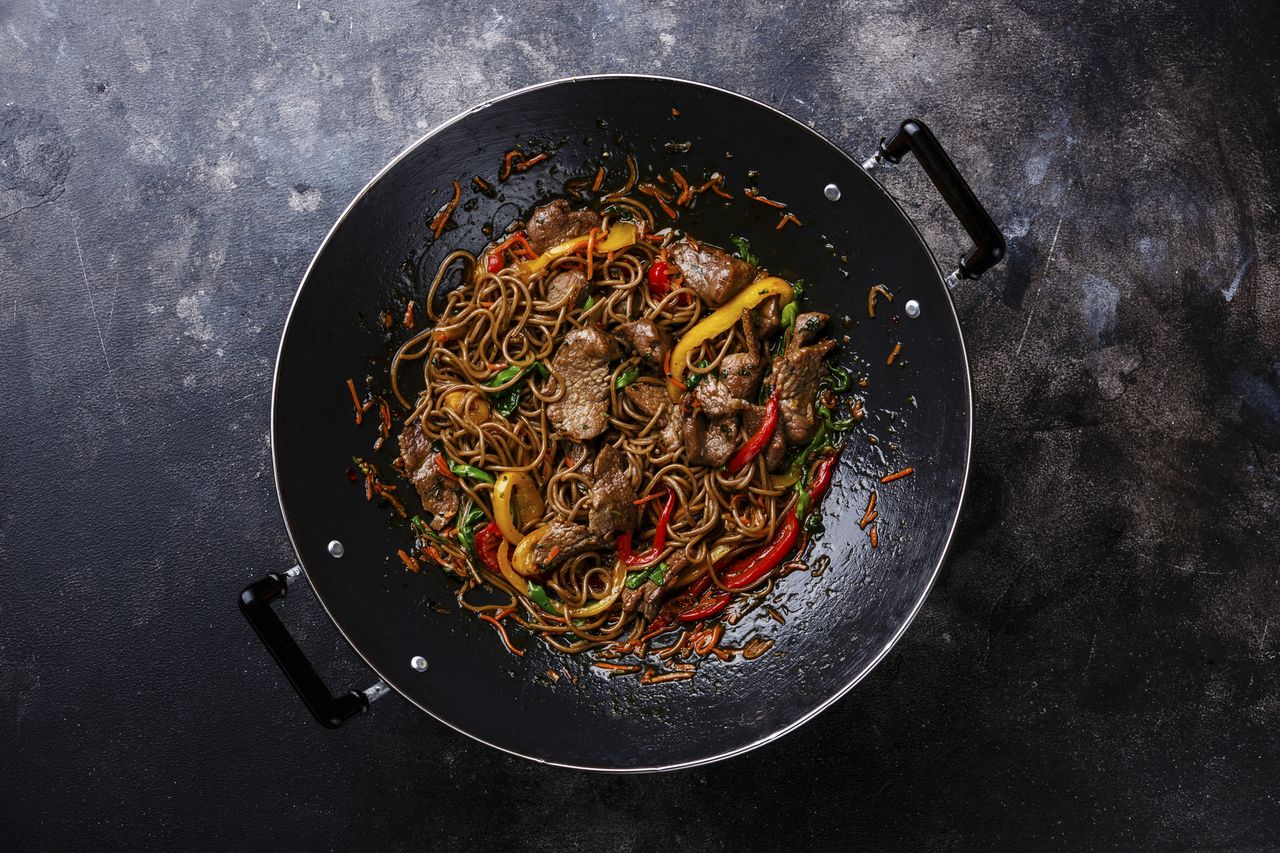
653,400
714,274
714,398
612,497
582,364
798,372
565,286
439,497
769,313
808,326
645,339
557,222
709,440
775,453
742,371
649,595
564,540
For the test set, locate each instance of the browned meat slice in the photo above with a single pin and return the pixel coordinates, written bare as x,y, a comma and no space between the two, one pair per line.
564,287
653,400
582,365
612,497
709,441
714,398
564,540
439,497
776,451
649,595
798,372
714,274
742,371
769,314
556,222
645,339
808,326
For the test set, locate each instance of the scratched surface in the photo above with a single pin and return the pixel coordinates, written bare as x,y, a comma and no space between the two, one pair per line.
1097,665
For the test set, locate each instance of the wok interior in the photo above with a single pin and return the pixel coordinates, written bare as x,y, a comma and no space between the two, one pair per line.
837,623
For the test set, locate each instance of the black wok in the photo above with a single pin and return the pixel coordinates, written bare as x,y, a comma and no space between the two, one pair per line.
839,624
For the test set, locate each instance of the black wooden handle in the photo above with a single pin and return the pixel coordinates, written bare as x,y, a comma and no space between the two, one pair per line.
988,243
329,710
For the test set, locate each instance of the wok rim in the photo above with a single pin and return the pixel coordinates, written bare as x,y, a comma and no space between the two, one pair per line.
888,645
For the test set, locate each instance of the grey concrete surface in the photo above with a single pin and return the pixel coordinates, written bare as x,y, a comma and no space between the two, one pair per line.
1097,666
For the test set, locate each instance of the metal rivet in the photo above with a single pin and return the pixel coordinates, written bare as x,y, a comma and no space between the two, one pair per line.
336,549
419,663
912,308
832,192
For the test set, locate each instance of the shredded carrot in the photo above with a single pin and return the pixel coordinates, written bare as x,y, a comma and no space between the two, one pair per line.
551,555
502,632
482,185
651,497
368,486
651,676
875,538
507,159
870,514
355,398
715,183
674,111
408,314
446,213
591,251
674,647
686,191
386,417
897,475
775,615
553,675
756,648
595,185
754,195
897,348
662,180
660,197
708,641
617,667
388,320
881,290
788,217
410,563
526,164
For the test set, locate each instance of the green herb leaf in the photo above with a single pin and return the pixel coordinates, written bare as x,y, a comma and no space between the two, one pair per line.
538,595
813,524
542,370
636,579
507,400
461,469
630,375
798,287
467,519
742,249
587,306
695,378
838,379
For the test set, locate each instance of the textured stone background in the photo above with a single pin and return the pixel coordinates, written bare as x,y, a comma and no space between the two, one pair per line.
1095,667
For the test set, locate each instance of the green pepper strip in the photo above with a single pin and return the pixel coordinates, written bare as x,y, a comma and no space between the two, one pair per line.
461,469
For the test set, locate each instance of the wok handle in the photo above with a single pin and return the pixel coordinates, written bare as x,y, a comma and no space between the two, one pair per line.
914,137
329,710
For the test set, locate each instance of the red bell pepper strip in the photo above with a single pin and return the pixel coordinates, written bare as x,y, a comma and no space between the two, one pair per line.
706,609
761,439
659,281
650,556
749,571
495,263
486,545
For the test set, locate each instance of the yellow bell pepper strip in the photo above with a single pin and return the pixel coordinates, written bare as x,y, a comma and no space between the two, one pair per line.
511,570
522,559
720,321
515,499
620,236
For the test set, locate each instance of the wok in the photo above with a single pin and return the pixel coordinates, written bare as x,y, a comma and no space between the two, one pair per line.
839,623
